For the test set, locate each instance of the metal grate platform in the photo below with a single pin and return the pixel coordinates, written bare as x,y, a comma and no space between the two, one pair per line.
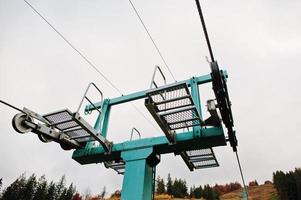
118,166
173,108
75,127
200,158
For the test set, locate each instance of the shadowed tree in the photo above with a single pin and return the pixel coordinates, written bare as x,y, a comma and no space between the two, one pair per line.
1,179
51,191
30,188
70,192
160,186
169,185
41,191
60,188
13,191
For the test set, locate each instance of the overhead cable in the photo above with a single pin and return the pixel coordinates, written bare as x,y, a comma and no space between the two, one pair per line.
74,48
152,39
10,105
241,174
204,29
87,60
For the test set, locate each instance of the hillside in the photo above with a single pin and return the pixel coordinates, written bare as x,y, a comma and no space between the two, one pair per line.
261,192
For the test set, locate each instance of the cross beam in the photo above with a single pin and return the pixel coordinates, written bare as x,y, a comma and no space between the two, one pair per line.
208,137
143,94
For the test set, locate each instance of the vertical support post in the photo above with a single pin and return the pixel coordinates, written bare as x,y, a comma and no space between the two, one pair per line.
102,121
138,177
106,109
96,127
197,102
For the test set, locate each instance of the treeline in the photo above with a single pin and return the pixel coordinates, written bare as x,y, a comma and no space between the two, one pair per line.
178,188
288,185
38,188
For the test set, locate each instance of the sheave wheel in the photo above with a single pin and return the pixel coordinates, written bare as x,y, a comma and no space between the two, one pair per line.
19,125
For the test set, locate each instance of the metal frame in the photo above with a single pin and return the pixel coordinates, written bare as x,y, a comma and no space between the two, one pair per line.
136,159
85,97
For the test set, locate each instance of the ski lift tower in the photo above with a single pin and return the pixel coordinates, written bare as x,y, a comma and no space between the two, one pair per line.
174,107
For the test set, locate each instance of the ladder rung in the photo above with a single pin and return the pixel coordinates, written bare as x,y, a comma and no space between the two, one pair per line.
175,99
164,113
183,121
201,159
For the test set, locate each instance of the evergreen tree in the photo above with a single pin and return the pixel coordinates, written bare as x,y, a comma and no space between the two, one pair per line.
179,188
198,192
60,187
1,179
160,186
51,192
297,175
29,189
70,192
13,191
41,191
169,185
191,192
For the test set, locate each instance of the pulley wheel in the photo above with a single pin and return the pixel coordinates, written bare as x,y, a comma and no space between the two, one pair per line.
44,138
19,125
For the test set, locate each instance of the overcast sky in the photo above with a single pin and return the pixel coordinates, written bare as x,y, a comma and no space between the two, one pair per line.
258,42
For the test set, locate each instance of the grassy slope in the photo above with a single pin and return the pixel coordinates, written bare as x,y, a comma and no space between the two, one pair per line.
261,192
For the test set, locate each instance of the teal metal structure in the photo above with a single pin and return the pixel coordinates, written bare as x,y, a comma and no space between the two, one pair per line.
176,106
142,155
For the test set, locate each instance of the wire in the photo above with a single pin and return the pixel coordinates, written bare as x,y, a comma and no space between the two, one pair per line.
152,39
74,48
242,176
204,29
87,60
14,107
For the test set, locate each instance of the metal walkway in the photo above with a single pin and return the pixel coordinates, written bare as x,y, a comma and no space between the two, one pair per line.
173,108
200,158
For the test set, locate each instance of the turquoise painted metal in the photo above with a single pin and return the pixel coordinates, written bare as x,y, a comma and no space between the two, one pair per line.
142,155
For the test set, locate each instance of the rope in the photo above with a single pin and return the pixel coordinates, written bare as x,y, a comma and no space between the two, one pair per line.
204,29
242,176
152,39
13,107
87,60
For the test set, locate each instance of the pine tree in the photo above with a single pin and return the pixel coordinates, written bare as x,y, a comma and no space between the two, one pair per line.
60,187
297,175
13,191
160,186
70,192
51,193
1,179
41,191
198,192
169,185
191,192
30,188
